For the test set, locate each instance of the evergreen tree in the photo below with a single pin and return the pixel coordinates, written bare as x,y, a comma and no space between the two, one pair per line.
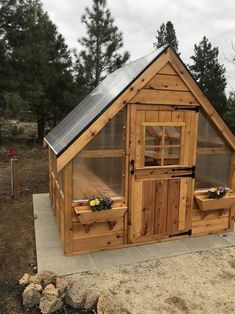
40,62
4,64
100,54
166,36
210,74
229,116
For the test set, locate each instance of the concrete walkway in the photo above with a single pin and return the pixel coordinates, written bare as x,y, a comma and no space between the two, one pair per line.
50,255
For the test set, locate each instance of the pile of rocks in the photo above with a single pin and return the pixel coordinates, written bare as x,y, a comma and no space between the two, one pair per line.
50,293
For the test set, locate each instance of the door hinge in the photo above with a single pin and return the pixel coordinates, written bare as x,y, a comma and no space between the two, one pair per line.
184,169
190,175
189,233
196,108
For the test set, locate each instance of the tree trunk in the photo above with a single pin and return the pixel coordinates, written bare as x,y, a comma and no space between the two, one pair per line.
41,129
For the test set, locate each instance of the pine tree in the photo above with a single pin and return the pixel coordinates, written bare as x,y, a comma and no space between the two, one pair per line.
229,116
4,64
40,61
210,74
166,36
101,47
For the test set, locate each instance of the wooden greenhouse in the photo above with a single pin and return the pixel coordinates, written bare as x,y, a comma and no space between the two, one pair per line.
149,139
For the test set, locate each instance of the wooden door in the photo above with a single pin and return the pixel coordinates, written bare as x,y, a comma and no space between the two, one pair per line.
162,167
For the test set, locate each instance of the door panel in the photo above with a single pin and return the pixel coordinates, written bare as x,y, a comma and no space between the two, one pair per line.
148,203
160,219
161,184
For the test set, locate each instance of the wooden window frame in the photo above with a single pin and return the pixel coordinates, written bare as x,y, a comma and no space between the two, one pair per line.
162,146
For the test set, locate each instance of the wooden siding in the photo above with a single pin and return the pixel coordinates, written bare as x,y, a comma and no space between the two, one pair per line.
211,221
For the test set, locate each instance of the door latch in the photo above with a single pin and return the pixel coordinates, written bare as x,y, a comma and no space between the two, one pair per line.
132,170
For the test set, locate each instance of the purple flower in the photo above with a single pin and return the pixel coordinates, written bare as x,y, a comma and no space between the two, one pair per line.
221,189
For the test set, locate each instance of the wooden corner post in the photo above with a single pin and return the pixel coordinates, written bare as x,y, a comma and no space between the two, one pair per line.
68,198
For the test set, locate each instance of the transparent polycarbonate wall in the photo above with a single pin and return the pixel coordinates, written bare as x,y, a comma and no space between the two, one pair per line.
61,180
99,168
213,156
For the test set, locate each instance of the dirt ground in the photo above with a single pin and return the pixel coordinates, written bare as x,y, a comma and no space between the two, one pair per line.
17,245
199,283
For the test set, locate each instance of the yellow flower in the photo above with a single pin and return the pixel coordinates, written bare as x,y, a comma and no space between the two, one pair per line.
92,203
97,202
213,190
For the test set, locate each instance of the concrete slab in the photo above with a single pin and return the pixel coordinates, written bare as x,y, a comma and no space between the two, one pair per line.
229,236
116,257
41,202
164,249
213,241
53,259
50,255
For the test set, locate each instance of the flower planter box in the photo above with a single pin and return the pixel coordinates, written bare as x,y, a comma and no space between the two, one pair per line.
110,216
99,230
86,216
205,203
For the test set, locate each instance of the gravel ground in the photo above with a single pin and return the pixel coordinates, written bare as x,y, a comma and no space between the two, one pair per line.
194,283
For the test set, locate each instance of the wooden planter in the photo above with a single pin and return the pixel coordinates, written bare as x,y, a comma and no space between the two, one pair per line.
94,231
86,217
205,203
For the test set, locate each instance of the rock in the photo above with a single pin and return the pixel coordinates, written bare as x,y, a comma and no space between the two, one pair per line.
31,295
61,284
48,277
50,304
90,298
51,290
36,279
105,305
24,280
74,295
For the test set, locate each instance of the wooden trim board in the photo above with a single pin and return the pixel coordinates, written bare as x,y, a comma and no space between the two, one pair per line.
183,72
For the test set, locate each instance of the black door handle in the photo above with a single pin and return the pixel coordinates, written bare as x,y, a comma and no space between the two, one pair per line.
132,171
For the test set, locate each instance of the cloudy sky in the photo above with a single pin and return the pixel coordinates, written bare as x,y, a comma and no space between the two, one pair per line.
140,20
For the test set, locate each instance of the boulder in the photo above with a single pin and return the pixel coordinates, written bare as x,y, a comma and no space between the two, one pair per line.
48,277
24,280
105,305
90,298
51,290
61,285
31,295
50,304
36,279
74,295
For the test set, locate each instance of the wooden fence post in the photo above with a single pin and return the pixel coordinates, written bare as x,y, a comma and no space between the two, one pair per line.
15,192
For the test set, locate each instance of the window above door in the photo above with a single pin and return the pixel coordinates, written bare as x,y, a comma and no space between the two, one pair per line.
163,143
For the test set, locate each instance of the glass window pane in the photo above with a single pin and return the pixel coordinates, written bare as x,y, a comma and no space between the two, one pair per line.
171,156
153,156
99,168
162,145
153,149
153,135
213,156
172,135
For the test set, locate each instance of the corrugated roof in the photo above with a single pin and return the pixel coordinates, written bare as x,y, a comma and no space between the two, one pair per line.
93,105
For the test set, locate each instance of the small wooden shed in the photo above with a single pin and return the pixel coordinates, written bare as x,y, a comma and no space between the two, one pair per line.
148,138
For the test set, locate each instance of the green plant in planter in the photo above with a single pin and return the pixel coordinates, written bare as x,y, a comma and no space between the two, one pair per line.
100,203
218,192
